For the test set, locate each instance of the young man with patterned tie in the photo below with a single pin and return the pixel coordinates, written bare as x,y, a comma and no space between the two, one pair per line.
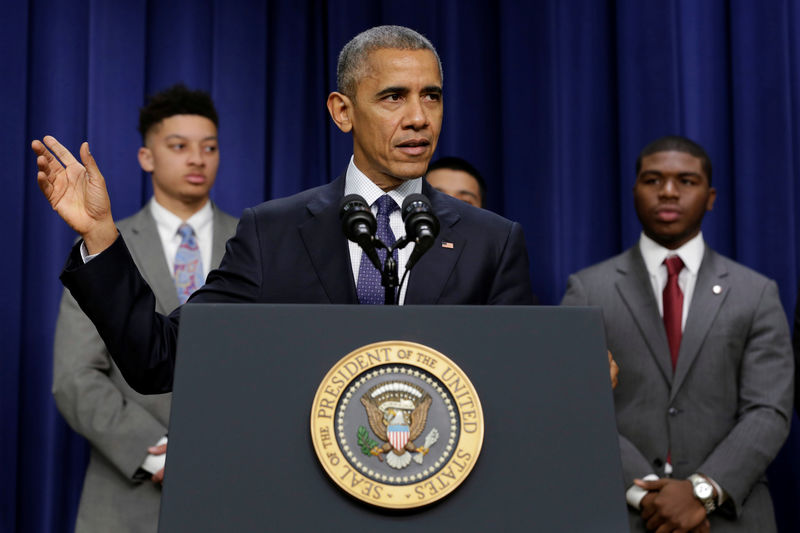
175,240
704,400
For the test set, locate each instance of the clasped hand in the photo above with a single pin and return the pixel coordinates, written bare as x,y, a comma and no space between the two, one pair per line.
670,506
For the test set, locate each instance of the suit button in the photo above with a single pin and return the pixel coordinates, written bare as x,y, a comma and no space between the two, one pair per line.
673,411
658,462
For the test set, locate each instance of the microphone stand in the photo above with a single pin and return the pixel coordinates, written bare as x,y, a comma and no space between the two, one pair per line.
389,277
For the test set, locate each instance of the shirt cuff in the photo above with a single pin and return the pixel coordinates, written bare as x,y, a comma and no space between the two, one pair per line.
85,255
154,463
635,493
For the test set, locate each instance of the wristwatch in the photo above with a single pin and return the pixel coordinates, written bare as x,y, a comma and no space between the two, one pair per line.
703,491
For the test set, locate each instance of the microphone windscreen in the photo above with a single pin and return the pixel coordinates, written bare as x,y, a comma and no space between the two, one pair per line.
417,214
415,202
357,218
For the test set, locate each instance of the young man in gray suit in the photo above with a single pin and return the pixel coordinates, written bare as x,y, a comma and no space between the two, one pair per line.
704,400
127,431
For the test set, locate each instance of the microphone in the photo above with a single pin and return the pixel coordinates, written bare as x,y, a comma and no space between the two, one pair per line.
422,226
359,225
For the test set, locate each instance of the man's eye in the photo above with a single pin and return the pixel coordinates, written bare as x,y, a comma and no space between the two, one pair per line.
393,97
210,149
177,146
433,97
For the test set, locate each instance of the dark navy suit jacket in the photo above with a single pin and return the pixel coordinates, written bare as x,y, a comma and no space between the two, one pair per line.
292,250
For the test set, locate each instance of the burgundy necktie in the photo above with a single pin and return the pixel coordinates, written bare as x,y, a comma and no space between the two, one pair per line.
673,307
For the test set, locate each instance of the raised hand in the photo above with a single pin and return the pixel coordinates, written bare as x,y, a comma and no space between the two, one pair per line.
76,192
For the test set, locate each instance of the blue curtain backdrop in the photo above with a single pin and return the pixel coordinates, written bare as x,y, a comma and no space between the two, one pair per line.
551,99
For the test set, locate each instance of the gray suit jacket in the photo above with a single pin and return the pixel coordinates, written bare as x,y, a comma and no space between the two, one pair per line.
95,400
727,409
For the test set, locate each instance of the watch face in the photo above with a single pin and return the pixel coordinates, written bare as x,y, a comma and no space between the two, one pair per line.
703,490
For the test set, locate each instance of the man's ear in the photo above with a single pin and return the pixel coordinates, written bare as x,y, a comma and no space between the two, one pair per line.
712,195
145,159
340,107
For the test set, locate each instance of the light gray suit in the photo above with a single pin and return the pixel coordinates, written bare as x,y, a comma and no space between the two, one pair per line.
727,409
95,400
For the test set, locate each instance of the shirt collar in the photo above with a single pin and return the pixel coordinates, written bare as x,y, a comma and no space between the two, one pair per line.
356,182
166,219
690,253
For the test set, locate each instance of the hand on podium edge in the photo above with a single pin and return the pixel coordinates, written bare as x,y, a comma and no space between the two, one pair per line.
77,192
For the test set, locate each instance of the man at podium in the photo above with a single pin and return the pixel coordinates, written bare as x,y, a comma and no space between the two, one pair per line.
292,250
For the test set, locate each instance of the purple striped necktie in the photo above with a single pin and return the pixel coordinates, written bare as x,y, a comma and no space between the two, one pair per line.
370,291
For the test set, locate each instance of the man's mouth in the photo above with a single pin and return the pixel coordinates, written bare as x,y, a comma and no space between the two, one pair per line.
195,179
668,214
414,146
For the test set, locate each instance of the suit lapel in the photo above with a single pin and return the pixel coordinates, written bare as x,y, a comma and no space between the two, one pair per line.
326,245
636,290
219,237
145,246
429,276
703,311
329,253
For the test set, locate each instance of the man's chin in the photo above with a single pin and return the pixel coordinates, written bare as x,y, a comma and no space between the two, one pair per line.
671,240
409,177
411,171
194,197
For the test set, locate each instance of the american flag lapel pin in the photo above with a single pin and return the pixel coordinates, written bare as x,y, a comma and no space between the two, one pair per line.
447,244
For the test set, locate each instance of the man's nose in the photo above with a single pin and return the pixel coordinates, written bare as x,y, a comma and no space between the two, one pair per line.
416,114
196,156
669,188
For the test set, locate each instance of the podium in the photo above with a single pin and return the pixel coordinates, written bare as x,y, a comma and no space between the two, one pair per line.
241,456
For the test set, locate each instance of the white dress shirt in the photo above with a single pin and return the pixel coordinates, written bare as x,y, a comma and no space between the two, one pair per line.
690,253
356,182
168,224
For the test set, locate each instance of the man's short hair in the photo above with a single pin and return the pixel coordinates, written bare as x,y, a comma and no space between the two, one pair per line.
456,163
352,63
176,100
676,143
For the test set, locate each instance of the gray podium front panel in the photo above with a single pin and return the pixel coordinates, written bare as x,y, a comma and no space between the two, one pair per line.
240,453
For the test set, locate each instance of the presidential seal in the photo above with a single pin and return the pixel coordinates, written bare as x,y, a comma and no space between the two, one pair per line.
397,424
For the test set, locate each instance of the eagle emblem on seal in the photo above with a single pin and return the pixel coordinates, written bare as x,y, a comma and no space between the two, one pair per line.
397,412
